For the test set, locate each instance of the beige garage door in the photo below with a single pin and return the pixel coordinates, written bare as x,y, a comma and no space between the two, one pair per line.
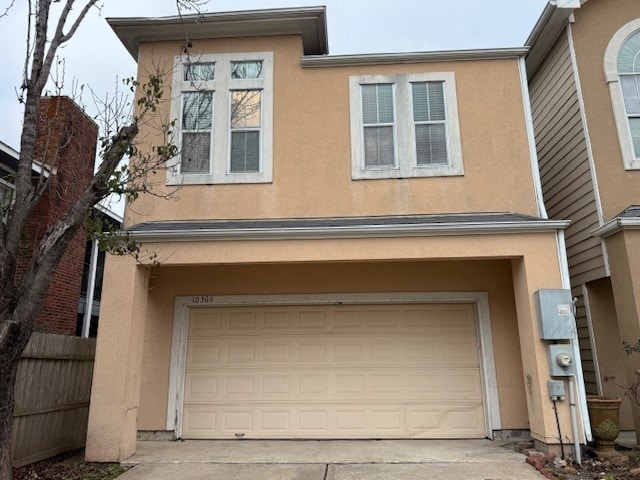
333,371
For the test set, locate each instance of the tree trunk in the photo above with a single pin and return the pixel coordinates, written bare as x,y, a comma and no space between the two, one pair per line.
10,353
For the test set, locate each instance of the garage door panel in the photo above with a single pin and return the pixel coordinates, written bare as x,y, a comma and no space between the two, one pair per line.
289,350
335,385
439,420
434,319
355,371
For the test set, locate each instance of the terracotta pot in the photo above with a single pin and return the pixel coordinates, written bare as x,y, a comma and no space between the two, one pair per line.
604,416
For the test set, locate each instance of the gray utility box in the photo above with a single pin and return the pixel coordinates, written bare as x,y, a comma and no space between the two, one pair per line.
555,314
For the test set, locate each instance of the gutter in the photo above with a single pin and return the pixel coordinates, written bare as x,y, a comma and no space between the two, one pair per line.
359,231
616,225
311,61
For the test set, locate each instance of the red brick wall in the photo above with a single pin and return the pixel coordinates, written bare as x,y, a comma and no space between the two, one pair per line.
67,142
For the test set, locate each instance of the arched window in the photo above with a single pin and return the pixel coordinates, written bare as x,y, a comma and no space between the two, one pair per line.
629,73
622,70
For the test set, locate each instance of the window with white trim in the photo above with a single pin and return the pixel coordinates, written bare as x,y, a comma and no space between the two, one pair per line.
222,104
629,73
404,126
622,72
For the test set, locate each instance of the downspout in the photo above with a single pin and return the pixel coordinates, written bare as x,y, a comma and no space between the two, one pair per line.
91,285
579,378
533,155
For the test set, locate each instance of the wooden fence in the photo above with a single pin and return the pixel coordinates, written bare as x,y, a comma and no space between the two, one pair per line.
52,397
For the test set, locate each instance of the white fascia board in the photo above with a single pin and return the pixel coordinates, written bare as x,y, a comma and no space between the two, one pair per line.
310,61
109,213
8,150
359,231
615,226
310,22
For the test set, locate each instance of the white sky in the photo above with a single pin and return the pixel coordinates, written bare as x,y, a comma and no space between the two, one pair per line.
95,57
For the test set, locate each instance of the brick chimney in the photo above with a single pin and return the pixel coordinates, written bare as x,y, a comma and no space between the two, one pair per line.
66,148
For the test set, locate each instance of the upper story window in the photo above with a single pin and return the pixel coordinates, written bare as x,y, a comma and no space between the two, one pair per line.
223,106
622,71
629,72
404,126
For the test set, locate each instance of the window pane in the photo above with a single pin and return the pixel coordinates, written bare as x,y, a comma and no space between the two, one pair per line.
377,104
634,126
629,57
251,69
428,101
199,72
431,144
197,111
378,146
631,92
245,109
245,151
196,150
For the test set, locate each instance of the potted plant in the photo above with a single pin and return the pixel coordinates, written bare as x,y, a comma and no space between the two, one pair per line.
604,416
604,412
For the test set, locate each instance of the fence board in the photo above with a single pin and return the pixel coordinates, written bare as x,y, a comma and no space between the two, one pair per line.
52,394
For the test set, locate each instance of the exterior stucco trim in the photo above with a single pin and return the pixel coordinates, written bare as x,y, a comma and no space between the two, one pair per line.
360,231
316,61
480,300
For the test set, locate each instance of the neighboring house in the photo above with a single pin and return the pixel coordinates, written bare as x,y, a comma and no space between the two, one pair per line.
584,79
67,140
354,251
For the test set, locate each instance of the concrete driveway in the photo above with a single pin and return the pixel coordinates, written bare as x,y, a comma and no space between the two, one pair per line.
329,460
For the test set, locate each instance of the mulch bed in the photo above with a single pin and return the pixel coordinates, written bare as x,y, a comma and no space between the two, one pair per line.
70,466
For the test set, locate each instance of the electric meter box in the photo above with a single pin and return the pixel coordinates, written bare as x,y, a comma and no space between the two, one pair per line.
555,314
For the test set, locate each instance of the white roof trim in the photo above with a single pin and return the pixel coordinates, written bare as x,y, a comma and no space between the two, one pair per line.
310,22
355,231
8,150
109,213
616,225
553,20
411,57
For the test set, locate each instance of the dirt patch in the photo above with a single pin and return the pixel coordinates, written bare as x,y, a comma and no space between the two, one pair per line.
626,466
70,466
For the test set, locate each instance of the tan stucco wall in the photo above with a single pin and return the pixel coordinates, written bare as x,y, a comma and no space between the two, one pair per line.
624,260
140,319
596,23
608,344
491,276
312,144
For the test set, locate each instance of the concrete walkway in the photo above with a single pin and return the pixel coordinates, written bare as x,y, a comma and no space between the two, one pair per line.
329,460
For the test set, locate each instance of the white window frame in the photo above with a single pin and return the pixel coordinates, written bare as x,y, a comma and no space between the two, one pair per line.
221,86
406,164
615,89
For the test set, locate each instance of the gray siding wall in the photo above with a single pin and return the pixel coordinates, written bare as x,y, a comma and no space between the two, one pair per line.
567,184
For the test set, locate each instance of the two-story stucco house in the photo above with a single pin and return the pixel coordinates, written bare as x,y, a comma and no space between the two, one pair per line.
584,79
354,250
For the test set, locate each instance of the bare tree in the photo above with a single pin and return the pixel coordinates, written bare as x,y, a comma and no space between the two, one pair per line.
22,293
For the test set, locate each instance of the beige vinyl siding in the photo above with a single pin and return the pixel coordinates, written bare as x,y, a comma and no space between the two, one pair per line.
567,183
